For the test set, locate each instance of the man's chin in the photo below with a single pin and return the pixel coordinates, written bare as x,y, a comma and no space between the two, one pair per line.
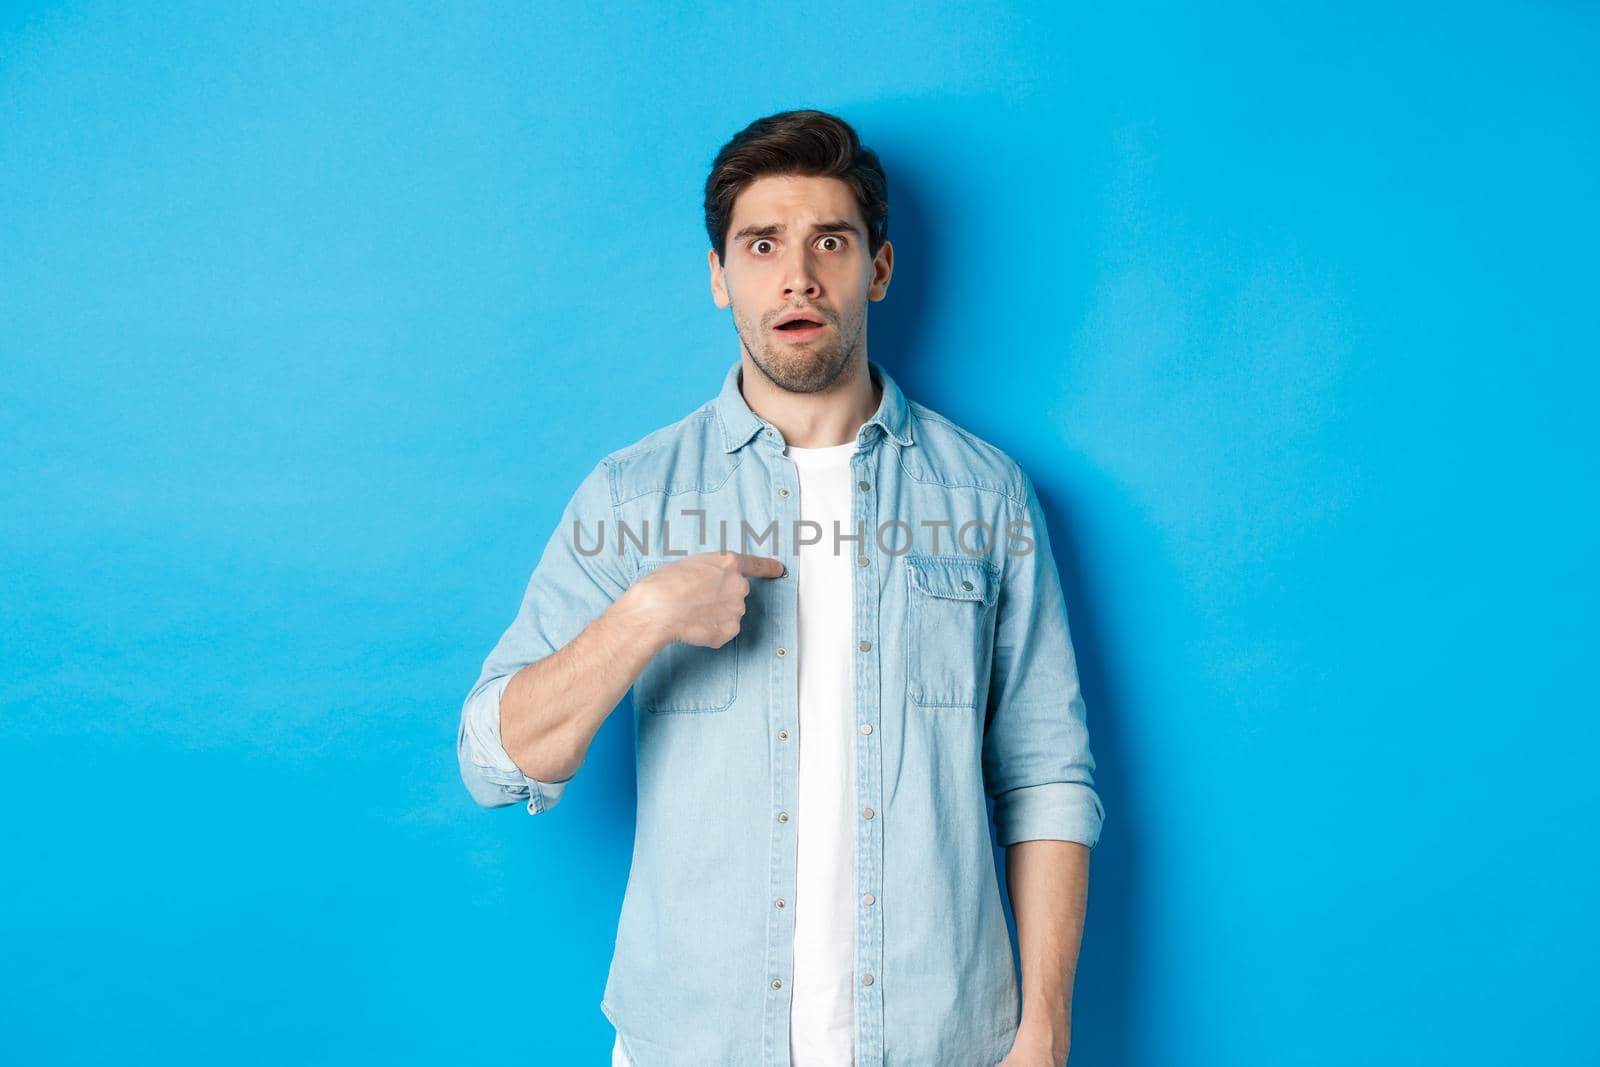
799,373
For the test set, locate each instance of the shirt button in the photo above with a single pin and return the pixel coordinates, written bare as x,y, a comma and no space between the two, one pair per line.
783,735
966,585
783,491
868,899
780,650
865,646
769,431
783,816
867,812
866,979
866,727
863,561
776,984
778,902
863,486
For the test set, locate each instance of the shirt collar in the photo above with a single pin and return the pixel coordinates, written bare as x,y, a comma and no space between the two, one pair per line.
739,423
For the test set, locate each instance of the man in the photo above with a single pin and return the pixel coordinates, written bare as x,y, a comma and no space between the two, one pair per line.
819,723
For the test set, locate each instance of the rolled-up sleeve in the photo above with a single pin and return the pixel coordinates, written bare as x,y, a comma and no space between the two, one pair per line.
1036,759
571,586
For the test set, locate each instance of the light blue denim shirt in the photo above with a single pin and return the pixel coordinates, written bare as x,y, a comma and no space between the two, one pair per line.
966,689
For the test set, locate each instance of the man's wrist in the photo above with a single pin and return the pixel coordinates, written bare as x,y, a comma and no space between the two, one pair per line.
635,616
1051,1037
1054,1025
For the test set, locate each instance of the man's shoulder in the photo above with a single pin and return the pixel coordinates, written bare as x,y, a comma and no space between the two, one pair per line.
684,454
948,453
698,426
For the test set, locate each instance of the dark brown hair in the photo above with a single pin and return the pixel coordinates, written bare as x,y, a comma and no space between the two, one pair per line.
802,143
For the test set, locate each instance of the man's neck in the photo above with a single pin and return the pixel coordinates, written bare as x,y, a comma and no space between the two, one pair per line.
814,420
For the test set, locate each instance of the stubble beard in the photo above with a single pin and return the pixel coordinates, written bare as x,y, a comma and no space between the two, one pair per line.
808,368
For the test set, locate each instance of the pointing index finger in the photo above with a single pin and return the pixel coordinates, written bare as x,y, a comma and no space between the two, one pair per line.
761,566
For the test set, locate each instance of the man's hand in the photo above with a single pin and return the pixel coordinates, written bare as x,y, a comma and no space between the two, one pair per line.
1038,1047
699,599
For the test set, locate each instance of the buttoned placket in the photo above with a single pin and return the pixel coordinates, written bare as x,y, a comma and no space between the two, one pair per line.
865,465
783,725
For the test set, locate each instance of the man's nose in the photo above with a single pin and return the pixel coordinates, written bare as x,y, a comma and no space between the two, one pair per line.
800,276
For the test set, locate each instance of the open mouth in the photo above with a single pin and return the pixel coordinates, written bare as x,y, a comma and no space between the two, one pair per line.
801,329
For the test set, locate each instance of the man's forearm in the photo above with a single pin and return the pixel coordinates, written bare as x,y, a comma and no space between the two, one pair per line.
551,710
1049,886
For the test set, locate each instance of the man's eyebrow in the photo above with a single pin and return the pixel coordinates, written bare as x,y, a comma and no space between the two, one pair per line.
771,229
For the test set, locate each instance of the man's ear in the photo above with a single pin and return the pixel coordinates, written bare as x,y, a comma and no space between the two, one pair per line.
719,287
882,269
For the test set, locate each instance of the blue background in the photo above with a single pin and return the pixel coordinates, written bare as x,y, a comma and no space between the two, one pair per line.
311,321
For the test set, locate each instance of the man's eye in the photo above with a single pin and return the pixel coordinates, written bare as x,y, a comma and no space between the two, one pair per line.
838,241
755,246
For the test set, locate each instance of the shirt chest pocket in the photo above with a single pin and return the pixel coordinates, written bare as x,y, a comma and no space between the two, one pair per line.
949,628
687,678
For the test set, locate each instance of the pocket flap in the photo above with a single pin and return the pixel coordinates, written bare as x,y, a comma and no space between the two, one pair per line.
649,563
953,577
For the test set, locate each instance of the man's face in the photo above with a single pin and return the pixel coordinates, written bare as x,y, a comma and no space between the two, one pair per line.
798,245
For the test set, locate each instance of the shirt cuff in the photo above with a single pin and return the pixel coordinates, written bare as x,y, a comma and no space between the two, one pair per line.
481,744
1050,811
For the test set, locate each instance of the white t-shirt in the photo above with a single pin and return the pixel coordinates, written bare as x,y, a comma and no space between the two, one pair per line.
822,1005
822,1009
